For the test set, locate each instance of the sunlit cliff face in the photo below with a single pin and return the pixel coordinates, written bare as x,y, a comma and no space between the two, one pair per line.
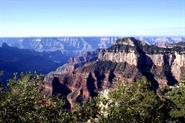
127,60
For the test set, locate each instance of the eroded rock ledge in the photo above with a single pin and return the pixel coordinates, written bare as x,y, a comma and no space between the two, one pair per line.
128,59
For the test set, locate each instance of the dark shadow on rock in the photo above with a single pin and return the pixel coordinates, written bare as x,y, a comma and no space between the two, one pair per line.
144,65
111,77
59,88
91,85
167,70
100,77
62,90
80,97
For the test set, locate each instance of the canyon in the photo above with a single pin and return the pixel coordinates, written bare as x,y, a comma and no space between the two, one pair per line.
127,60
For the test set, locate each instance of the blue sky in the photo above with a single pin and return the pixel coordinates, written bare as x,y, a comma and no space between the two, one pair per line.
92,17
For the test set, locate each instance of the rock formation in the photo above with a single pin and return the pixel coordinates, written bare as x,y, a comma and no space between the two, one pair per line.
128,59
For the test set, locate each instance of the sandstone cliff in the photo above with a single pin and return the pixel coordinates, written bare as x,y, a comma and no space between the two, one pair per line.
128,59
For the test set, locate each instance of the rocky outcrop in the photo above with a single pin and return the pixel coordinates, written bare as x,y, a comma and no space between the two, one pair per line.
128,59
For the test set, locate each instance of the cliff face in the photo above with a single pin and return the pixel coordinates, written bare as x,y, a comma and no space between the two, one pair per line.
128,59
167,64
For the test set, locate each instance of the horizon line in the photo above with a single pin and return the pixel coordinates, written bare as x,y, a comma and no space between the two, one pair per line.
92,36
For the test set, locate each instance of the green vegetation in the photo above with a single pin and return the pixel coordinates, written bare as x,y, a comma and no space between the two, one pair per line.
24,101
137,103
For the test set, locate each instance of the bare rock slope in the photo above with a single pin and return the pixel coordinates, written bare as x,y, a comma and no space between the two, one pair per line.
128,59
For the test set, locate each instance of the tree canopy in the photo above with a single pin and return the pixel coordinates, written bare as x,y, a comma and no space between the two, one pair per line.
24,101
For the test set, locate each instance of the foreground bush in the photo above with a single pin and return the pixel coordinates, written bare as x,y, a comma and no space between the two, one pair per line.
23,101
137,103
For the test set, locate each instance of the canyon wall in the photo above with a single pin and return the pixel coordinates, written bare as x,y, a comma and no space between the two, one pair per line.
127,60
